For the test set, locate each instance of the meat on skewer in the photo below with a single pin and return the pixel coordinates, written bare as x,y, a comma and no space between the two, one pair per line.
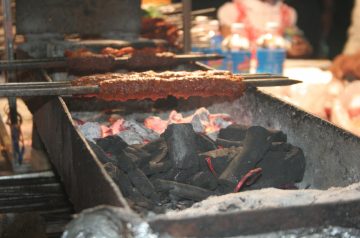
149,84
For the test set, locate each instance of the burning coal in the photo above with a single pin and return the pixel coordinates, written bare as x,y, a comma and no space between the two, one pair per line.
171,163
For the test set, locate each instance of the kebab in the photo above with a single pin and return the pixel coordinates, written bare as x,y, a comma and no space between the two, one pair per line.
109,59
149,84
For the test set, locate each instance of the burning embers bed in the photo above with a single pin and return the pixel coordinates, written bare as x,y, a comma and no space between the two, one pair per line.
171,163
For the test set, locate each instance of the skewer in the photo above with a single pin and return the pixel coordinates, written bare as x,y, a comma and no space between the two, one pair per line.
118,62
64,88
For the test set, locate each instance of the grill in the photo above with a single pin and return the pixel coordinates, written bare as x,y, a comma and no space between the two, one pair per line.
331,153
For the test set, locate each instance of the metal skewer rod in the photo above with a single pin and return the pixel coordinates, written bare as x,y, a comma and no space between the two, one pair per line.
65,88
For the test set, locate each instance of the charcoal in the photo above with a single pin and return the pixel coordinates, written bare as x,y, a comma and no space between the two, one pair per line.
137,197
281,168
204,143
228,143
238,132
221,153
155,168
112,144
157,149
180,175
100,154
125,161
182,190
119,177
278,136
204,179
153,145
142,183
256,143
181,142
233,132
280,146
138,155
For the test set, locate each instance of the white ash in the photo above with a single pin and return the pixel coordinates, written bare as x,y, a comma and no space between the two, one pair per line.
267,198
91,130
136,133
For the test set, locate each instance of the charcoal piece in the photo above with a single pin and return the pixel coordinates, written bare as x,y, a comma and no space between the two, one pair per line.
137,197
155,168
182,190
228,143
221,153
181,142
138,155
142,183
256,143
100,154
112,144
153,145
204,179
237,132
125,161
280,146
180,175
157,149
204,143
281,168
278,136
120,178
234,132
220,158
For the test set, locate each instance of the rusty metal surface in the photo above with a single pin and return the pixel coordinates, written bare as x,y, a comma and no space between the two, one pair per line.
345,214
85,181
111,18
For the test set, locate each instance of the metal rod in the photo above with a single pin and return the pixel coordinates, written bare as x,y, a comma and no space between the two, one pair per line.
33,64
49,91
187,25
9,76
34,85
271,82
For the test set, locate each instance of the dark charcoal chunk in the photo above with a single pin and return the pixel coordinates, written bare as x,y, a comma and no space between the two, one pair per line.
278,136
204,179
257,142
138,155
280,146
141,201
220,158
233,132
182,190
101,155
153,146
155,168
126,162
181,142
157,149
204,143
281,168
142,183
120,178
228,143
112,144
180,175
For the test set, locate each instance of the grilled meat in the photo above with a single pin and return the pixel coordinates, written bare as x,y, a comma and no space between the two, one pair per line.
149,84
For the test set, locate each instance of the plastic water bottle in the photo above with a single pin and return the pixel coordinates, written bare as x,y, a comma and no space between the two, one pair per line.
237,46
199,34
215,40
270,52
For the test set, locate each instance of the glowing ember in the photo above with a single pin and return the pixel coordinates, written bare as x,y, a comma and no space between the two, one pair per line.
134,132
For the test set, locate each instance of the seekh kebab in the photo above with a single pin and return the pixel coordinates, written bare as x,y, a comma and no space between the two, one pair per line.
149,84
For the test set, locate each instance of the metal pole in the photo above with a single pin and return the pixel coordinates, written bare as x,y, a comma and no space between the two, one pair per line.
187,25
9,45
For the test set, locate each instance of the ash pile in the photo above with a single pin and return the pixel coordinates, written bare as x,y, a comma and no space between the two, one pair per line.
169,164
